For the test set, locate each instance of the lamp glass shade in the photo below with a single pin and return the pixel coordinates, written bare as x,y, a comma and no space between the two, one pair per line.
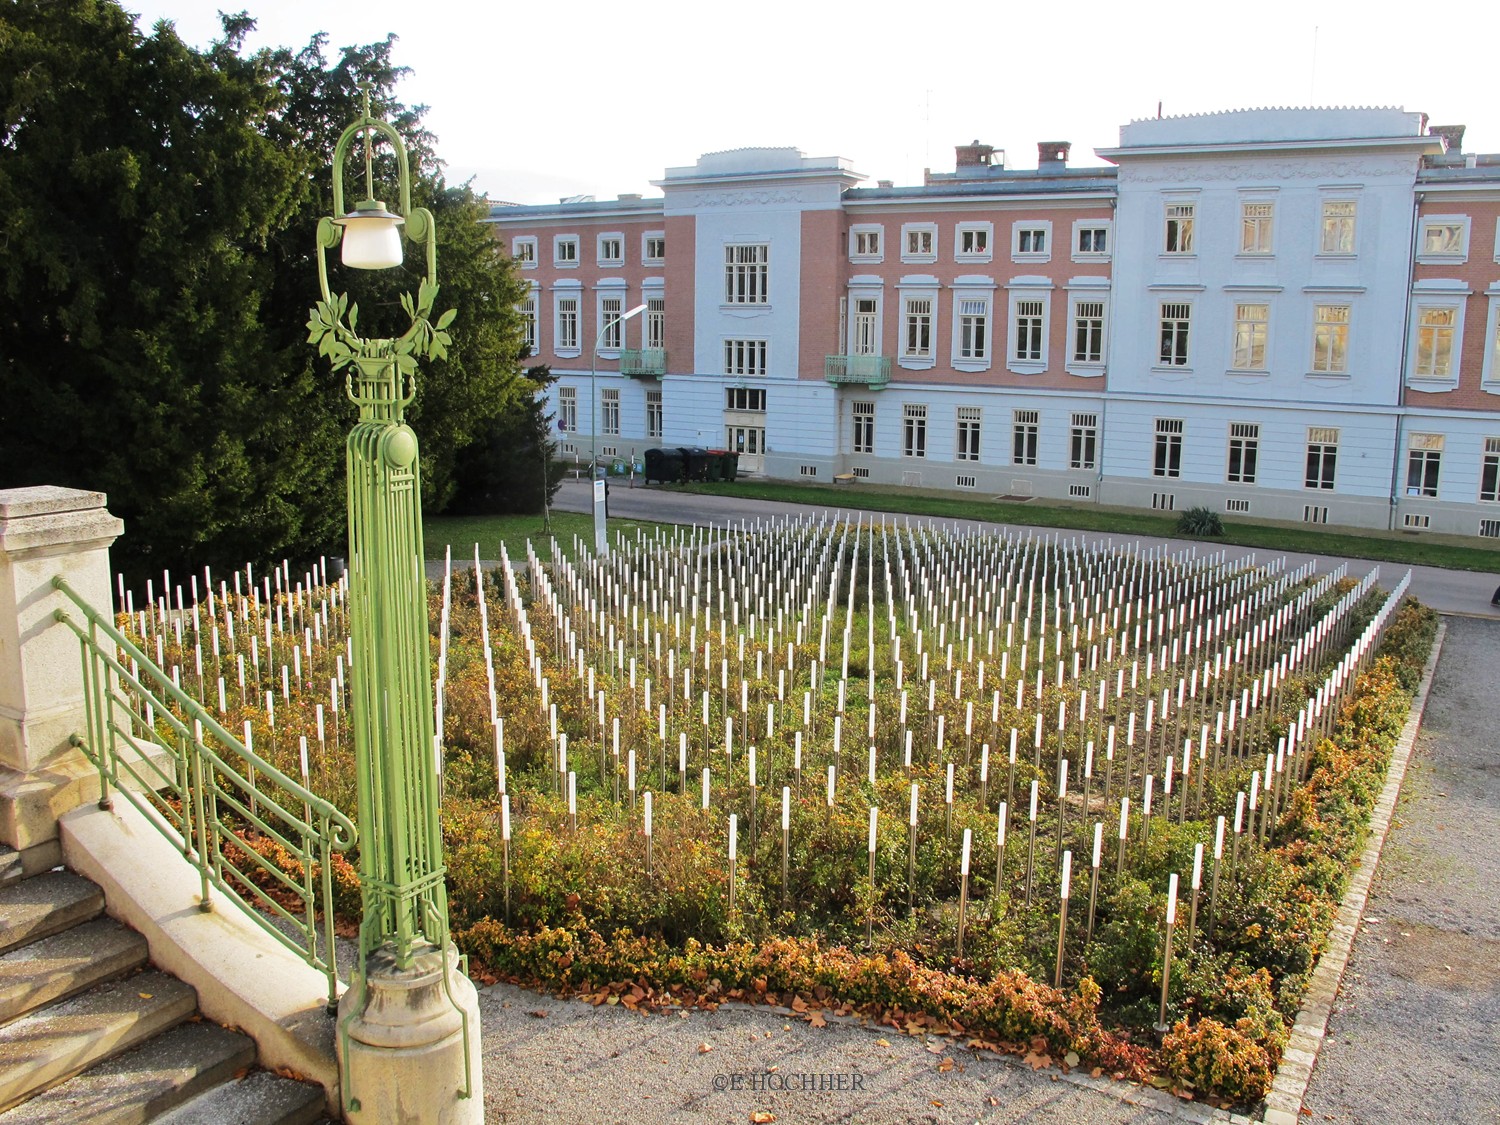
372,241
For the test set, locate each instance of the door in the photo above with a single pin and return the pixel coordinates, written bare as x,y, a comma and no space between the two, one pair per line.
750,443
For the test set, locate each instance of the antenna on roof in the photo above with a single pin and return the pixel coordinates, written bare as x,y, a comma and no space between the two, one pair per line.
1158,111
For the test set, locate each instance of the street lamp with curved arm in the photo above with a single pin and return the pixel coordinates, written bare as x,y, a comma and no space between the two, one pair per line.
593,384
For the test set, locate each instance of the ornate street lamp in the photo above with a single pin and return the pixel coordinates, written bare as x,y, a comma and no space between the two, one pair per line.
613,322
408,1037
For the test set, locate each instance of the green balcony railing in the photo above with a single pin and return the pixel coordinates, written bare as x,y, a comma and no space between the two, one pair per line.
646,362
873,371
199,785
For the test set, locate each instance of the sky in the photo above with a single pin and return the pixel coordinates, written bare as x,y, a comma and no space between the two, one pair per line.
534,102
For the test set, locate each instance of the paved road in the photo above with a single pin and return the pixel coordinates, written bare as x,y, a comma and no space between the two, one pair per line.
1448,591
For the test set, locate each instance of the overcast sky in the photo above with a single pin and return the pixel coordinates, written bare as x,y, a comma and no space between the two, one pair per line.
543,100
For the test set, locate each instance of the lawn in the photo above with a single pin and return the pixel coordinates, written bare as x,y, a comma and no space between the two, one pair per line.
490,531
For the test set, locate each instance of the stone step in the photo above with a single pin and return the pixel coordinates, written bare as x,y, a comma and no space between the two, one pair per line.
45,904
261,1098
66,963
54,1043
11,868
142,1084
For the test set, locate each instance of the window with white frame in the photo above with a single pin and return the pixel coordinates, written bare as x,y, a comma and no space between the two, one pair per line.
973,329
528,322
1491,372
1178,237
746,274
611,330
1176,322
523,251
1028,329
744,357
1330,339
1244,452
1025,436
919,242
566,328
1444,238
1167,455
1090,240
864,326
1031,240
745,400
656,322
1337,226
654,247
567,409
1257,224
968,433
862,417
916,329
1437,329
1322,457
1424,460
914,430
654,416
1088,331
609,410
972,242
1251,323
866,242
1083,442
611,249
1489,471
565,250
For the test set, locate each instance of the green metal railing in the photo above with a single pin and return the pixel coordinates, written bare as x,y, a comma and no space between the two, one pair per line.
643,361
202,789
873,371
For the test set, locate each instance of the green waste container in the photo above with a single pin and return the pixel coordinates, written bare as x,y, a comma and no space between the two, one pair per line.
731,465
715,464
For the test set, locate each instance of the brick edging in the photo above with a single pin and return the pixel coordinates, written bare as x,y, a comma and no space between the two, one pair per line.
1284,1103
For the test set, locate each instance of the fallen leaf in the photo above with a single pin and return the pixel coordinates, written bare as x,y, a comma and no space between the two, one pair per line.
541,1013
145,995
991,1100
945,1066
817,1020
762,1117
704,1048
1071,1058
936,1048
799,1004
882,1042
936,1103
1097,1072
1036,1060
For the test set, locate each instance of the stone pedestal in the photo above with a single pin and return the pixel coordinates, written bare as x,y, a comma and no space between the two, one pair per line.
401,1057
45,532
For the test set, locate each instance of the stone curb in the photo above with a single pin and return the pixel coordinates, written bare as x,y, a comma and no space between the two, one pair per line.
1283,1104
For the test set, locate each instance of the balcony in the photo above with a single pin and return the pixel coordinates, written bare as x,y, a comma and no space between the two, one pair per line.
873,371
643,363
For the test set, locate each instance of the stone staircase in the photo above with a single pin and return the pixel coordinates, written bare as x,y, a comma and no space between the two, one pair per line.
90,1031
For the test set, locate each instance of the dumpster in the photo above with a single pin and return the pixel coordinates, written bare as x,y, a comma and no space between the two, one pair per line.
665,465
731,465
695,463
714,465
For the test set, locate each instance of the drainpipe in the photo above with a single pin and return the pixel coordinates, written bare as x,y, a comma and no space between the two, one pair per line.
1400,415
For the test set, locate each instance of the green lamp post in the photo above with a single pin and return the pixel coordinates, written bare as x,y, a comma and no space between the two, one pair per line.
408,1033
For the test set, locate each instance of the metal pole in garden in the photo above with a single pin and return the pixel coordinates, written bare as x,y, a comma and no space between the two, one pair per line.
963,891
1166,962
1062,918
870,916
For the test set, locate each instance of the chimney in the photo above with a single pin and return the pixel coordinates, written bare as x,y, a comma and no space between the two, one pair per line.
1453,137
973,157
1051,155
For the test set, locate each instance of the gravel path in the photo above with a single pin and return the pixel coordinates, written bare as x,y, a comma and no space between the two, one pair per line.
1415,1031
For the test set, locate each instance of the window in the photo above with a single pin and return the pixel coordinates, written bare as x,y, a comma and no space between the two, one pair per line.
567,324
1031,240
751,400
609,407
523,251
565,250
1176,319
1093,240
567,409
863,416
1436,327
973,241
1322,456
653,415
1338,226
1256,220
1088,332
917,335
1025,425
1244,451
745,274
973,329
864,335
914,431
1083,446
656,322
1179,233
1168,460
610,328
968,433
1330,339
919,242
865,243
1250,324
1489,471
1424,458
654,247
528,322
611,249
744,357
1028,333
1444,237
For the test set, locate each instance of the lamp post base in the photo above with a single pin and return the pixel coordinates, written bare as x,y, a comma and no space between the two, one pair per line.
401,1058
